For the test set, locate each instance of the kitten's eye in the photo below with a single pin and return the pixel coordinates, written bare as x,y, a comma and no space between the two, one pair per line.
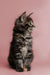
30,24
26,25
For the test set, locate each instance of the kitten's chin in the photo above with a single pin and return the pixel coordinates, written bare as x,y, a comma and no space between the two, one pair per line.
33,28
30,30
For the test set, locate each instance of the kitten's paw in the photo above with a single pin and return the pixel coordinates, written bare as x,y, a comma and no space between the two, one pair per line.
19,70
28,68
25,69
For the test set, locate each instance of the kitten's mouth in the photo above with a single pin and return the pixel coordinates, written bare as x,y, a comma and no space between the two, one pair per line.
33,26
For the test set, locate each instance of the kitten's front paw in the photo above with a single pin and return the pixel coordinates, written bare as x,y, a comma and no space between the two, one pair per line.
25,69
28,68
19,70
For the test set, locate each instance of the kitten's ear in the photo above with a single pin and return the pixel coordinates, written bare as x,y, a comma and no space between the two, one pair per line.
23,16
30,14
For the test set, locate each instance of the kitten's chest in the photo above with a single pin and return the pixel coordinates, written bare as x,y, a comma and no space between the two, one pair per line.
28,41
24,51
28,38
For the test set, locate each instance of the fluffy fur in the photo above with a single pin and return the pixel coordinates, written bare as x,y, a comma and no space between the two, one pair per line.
21,55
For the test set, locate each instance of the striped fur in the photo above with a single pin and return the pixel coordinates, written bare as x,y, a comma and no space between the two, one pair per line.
21,55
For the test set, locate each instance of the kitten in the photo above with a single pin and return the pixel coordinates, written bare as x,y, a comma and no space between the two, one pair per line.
21,55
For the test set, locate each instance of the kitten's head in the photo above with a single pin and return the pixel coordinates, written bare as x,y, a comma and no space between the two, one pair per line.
28,22
29,25
25,22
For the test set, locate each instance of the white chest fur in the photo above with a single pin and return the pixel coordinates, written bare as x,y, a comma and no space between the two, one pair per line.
24,51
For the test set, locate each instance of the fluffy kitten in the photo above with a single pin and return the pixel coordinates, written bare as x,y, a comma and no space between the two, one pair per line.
21,55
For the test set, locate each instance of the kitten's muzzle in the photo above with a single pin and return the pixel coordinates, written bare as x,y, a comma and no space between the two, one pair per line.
33,26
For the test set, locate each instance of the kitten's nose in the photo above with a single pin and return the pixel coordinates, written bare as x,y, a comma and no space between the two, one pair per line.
33,26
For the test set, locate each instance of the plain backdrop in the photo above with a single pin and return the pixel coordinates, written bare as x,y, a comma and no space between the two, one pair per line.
9,11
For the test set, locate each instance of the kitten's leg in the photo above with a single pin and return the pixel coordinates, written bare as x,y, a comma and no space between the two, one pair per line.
19,62
28,60
16,63
27,66
11,62
19,65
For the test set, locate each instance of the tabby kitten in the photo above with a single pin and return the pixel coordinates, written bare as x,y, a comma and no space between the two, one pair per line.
21,55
